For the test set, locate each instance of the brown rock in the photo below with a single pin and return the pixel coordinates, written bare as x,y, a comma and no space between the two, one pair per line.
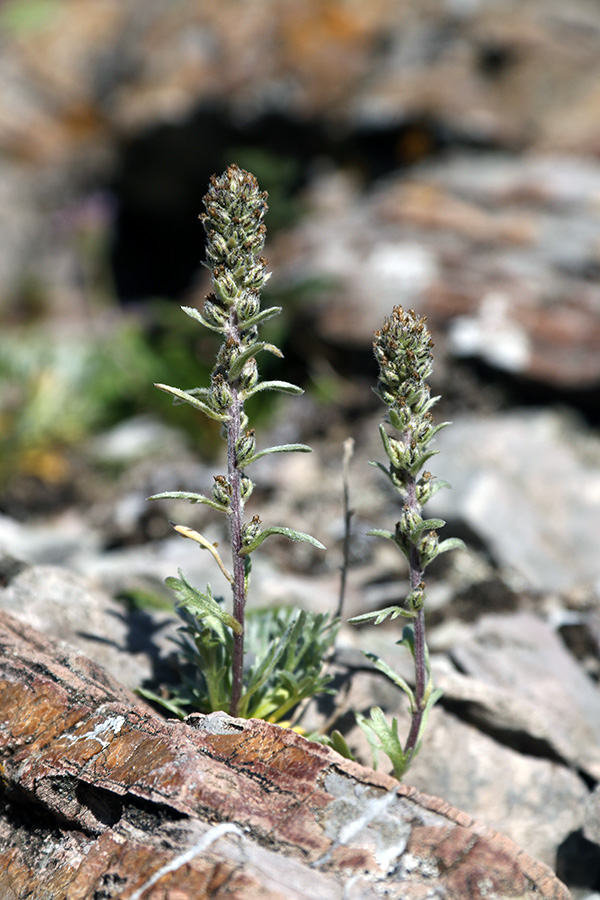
102,798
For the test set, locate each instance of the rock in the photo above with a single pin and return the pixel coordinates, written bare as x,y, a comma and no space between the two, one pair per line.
524,484
132,645
122,800
553,700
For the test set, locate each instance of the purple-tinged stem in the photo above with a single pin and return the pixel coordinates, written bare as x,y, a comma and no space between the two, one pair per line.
416,577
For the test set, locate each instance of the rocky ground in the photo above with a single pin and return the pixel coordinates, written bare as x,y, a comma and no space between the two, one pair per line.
446,160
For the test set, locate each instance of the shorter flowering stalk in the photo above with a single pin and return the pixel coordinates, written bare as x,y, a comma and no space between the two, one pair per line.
403,352
235,209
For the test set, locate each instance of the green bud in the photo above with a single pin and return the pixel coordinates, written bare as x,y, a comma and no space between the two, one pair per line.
245,447
251,530
416,598
214,313
428,548
221,492
249,375
246,487
410,521
220,393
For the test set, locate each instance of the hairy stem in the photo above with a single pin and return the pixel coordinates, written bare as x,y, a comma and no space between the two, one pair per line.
236,521
416,578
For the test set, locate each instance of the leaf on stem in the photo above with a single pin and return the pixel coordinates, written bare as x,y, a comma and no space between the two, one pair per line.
450,544
188,397
381,532
196,536
261,316
202,605
194,314
284,386
289,533
247,353
281,448
377,727
191,498
380,615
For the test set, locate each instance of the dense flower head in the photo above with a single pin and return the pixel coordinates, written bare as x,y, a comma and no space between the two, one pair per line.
235,209
402,349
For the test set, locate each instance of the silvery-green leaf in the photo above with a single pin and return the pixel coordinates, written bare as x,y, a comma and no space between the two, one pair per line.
421,460
191,498
286,532
451,544
381,532
201,604
194,314
428,525
283,386
261,316
188,397
281,448
247,353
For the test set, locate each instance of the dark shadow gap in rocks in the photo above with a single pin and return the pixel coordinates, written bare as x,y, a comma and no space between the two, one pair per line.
162,174
578,862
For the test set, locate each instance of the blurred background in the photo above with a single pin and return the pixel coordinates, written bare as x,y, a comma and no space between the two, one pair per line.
444,155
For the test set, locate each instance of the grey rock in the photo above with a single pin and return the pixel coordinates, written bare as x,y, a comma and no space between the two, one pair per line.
522,484
73,609
553,700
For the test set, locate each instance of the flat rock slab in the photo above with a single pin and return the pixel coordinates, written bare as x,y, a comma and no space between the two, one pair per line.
101,798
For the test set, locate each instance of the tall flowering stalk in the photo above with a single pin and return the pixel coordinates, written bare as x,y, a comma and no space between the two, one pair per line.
235,209
403,352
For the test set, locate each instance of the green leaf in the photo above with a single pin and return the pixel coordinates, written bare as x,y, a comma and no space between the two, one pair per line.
191,498
202,605
247,353
283,386
386,670
381,532
380,615
188,397
451,544
261,316
286,532
421,460
194,314
281,448
389,742
171,705
428,525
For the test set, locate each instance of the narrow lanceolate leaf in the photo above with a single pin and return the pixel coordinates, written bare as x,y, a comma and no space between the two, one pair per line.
261,316
194,314
200,539
450,544
201,604
283,386
428,525
381,532
246,354
187,397
281,448
286,532
191,498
